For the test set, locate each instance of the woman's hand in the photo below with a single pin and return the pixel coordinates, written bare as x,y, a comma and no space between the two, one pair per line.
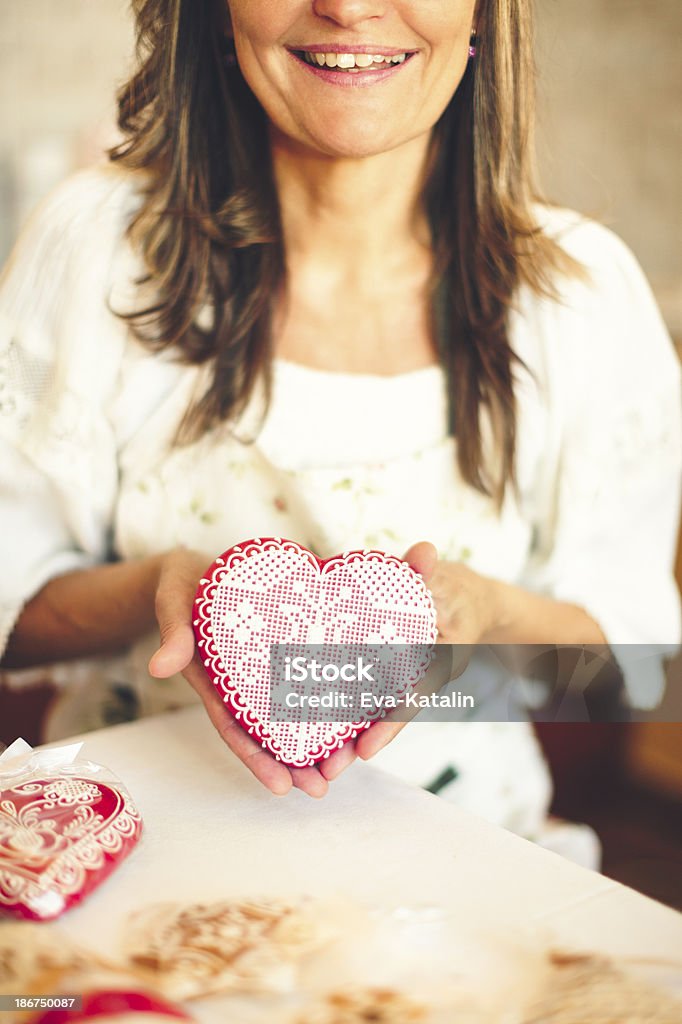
178,578
473,609
466,602
466,608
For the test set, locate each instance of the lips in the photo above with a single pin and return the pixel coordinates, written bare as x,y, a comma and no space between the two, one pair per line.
352,61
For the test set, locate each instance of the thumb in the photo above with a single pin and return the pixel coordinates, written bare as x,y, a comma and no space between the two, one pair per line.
423,558
176,650
174,601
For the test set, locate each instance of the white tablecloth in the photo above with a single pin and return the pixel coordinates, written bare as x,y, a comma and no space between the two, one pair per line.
212,832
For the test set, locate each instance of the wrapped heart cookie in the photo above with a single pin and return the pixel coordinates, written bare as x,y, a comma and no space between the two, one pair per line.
65,825
306,652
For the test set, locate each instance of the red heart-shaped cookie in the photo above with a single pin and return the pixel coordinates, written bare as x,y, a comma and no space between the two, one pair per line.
272,591
115,1005
59,839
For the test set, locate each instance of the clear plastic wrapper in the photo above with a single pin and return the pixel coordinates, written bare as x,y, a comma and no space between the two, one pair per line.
65,825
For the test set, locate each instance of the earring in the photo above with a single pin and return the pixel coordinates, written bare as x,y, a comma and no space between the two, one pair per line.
472,44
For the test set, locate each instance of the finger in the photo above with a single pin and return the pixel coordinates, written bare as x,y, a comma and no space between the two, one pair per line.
309,781
174,604
338,761
376,738
423,558
271,773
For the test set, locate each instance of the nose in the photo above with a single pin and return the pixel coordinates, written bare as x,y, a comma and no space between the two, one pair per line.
349,13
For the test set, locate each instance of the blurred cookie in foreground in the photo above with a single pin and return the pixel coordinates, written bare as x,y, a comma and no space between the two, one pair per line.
381,1006
200,949
31,958
586,987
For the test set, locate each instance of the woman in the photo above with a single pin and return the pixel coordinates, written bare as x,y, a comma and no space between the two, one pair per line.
357,327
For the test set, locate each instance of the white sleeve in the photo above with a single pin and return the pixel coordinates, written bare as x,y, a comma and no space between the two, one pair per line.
607,535
60,348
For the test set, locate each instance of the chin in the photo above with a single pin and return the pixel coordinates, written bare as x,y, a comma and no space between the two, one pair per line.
347,145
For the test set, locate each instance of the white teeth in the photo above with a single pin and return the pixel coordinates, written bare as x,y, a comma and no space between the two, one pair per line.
349,61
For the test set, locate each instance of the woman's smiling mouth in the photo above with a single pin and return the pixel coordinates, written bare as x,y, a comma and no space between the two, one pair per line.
336,65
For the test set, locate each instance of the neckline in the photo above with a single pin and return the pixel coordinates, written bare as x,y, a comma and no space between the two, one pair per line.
408,376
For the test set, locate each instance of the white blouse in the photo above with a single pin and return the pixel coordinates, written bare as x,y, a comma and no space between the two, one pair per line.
87,417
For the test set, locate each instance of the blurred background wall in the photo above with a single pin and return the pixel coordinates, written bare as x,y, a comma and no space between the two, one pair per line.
60,61
610,142
610,112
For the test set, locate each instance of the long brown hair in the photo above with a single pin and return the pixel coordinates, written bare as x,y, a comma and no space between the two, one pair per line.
209,232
